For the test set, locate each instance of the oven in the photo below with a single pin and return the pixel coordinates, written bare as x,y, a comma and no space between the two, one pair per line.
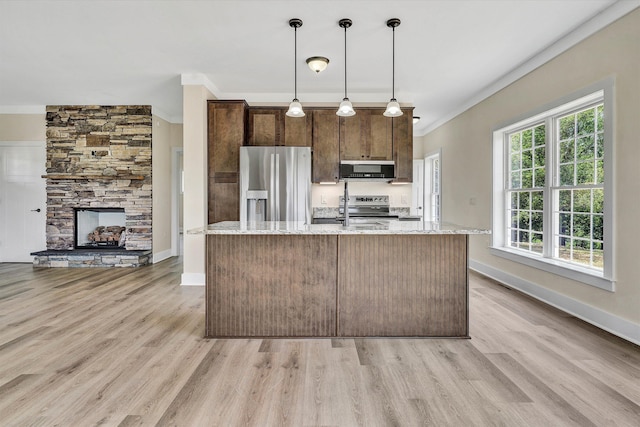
367,210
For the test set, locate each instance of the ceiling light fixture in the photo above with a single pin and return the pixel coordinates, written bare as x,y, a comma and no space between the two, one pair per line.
295,108
345,109
317,63
393,108
416,119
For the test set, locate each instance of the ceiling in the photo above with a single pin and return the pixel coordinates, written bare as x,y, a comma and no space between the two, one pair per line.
449,54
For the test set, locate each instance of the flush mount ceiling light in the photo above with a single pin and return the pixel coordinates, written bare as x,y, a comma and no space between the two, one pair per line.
295,108
416,119
393,108
345,109
317,63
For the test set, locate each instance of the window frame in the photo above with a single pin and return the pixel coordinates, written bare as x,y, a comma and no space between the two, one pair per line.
599,92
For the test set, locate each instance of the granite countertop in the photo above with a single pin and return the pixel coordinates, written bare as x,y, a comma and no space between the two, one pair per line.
292,227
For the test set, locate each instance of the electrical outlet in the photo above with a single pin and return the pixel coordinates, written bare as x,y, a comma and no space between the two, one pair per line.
323,199
403,199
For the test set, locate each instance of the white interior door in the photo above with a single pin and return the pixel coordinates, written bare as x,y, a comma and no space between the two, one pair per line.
417,190
22,200
432,184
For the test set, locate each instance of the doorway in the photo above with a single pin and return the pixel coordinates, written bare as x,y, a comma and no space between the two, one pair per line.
23,200
432,184
177,201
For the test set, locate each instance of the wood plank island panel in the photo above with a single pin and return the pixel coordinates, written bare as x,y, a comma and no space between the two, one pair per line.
271,286
403,285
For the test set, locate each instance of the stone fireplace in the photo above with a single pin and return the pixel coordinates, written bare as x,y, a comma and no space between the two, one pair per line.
98,164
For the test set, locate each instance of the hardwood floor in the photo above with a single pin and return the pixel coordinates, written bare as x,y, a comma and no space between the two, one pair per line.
124,347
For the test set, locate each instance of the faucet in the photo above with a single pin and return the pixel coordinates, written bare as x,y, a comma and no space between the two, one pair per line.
346,204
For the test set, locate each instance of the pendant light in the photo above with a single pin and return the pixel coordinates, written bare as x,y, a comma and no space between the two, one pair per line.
393,108
295,108
345,109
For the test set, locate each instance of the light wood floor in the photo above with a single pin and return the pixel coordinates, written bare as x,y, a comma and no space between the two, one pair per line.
124,347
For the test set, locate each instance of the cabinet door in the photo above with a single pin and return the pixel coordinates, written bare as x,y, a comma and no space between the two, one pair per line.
326,147
380,146
353,136
265,126
226,134
224,201
298,131
366,136
403,145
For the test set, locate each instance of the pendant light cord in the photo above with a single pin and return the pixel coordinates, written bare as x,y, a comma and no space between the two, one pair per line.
393,64
295,61
345,61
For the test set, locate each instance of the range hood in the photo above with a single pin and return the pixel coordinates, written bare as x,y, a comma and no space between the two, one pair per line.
367,170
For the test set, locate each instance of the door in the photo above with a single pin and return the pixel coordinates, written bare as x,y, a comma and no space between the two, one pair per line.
294,182
417,190
22,200
432,174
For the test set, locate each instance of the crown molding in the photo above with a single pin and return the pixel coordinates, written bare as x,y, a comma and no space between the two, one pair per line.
580,33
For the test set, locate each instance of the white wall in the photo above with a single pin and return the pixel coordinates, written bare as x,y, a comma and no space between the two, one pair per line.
23,127
466,143
399,194
165,137
195,181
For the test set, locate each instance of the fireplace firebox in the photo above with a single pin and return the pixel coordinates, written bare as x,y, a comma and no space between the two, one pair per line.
100,228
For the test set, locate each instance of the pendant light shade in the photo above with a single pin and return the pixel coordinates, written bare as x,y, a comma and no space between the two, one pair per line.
345,109
295,108
393,108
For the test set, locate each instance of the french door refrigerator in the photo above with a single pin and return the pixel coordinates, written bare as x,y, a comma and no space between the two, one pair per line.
275,184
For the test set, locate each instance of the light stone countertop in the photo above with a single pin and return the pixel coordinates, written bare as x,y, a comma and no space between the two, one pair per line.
293,227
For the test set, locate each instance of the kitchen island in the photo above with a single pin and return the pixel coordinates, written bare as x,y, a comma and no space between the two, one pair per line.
290,279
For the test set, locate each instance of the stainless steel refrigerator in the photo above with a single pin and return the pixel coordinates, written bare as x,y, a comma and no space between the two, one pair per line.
275,184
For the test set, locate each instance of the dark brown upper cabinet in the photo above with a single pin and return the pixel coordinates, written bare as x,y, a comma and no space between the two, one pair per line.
403,145
366,136
225,135
326,145
265,126
298,131
272,126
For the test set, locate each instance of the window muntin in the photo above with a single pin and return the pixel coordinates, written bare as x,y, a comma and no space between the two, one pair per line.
579,188
526,188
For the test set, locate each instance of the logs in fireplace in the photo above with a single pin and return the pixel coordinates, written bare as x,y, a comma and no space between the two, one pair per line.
113,235
100,228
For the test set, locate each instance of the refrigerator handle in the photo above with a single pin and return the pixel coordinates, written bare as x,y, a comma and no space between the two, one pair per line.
272,188
276,180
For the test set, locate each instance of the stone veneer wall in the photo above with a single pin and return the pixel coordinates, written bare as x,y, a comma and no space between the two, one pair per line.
99,156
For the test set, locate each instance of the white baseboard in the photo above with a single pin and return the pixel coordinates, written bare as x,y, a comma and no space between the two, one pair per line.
609,322
193,279
161,256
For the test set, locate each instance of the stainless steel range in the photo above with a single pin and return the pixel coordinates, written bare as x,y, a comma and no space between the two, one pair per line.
367,209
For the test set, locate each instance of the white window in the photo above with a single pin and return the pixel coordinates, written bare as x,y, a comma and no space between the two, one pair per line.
553,193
